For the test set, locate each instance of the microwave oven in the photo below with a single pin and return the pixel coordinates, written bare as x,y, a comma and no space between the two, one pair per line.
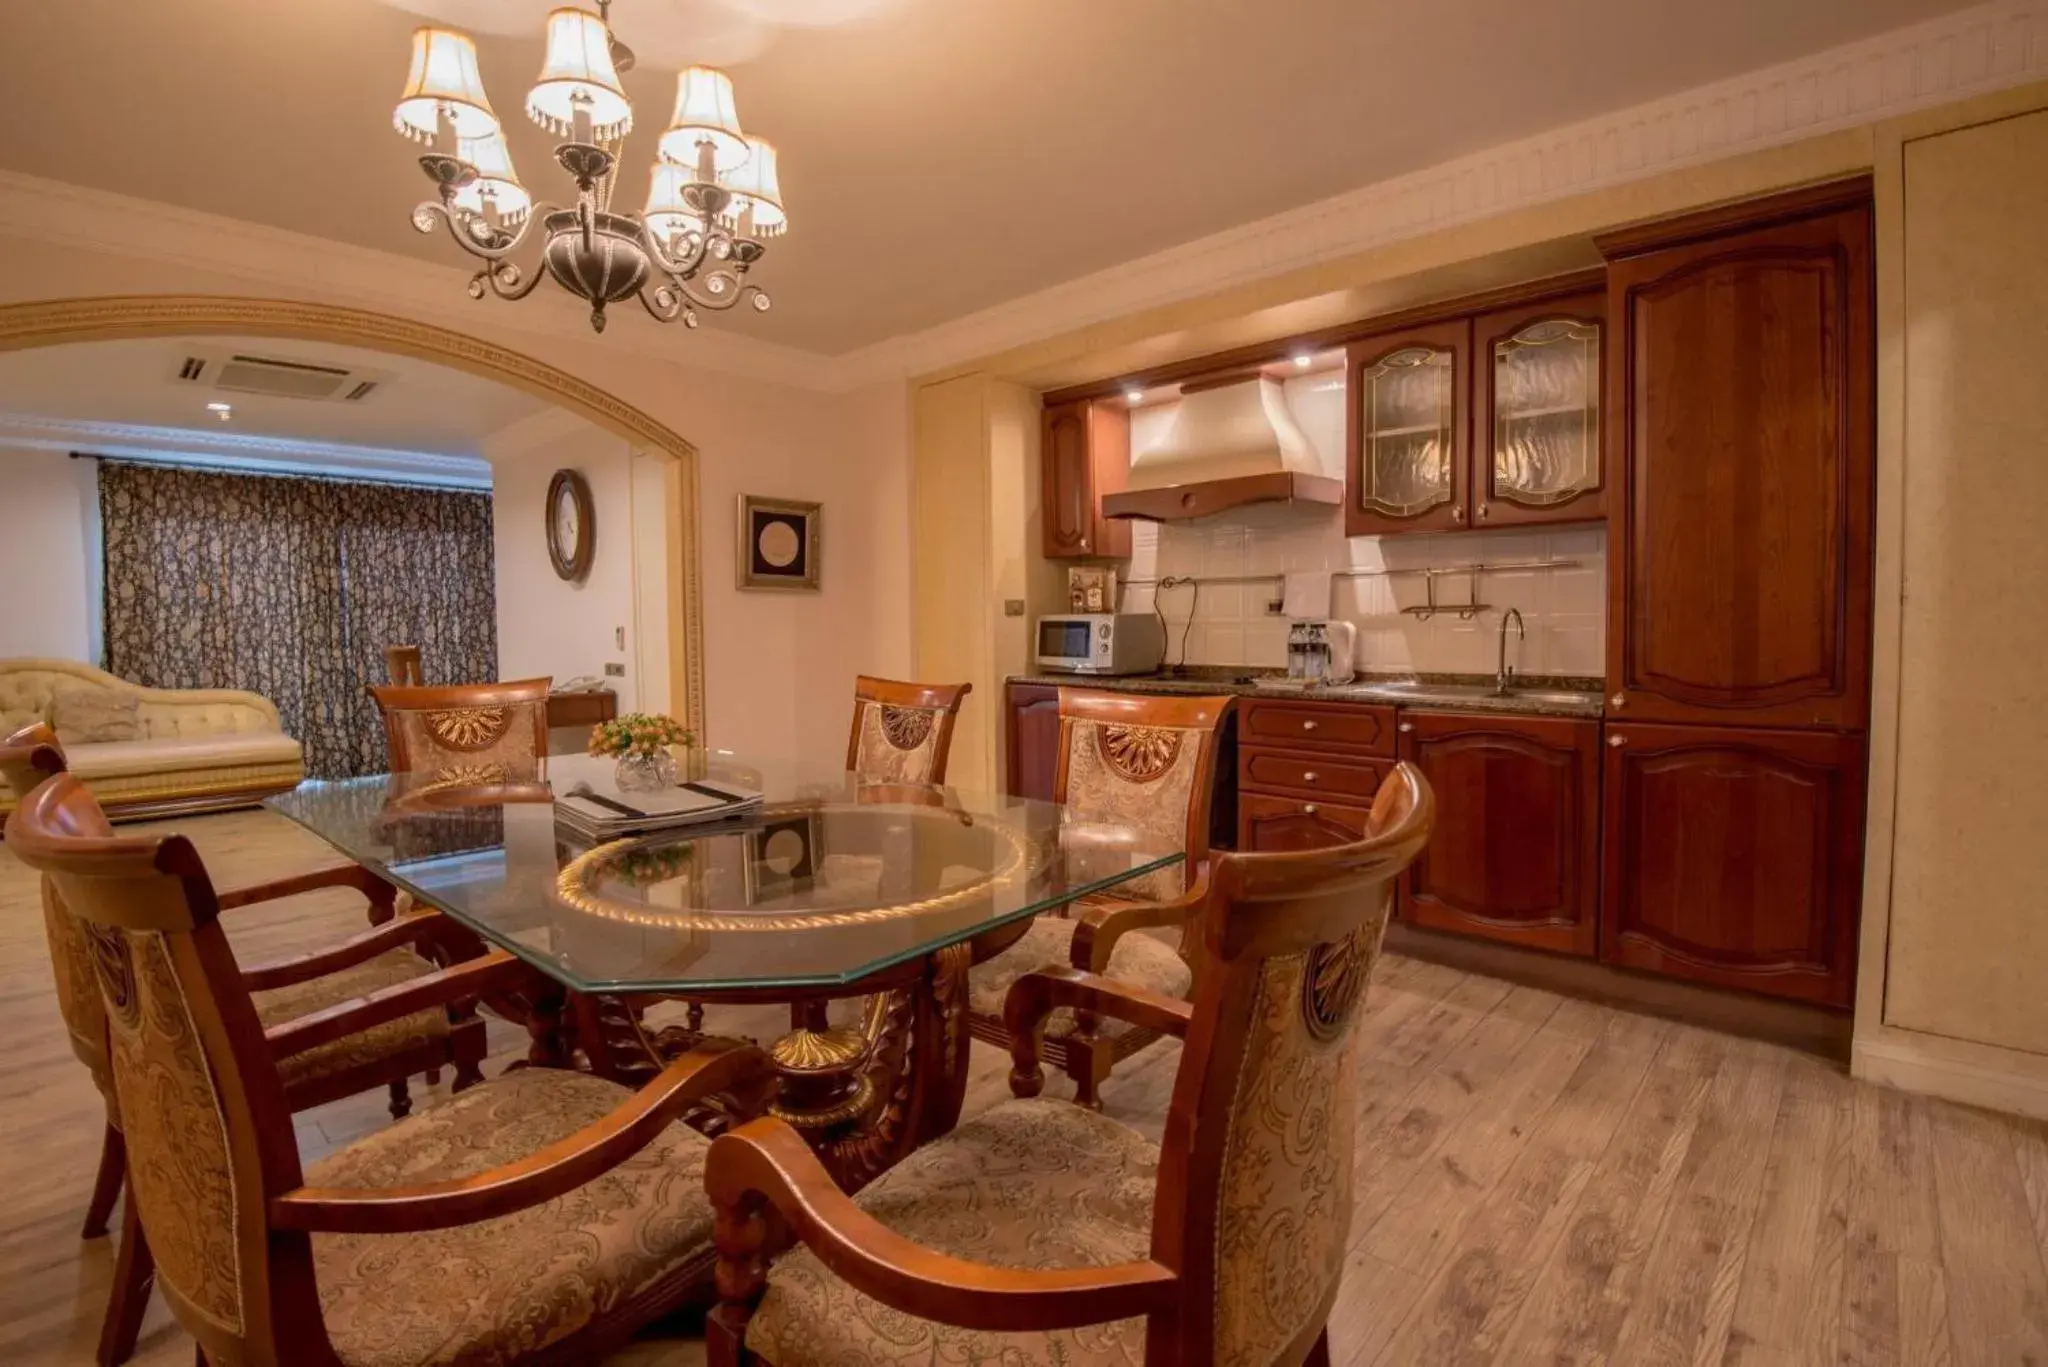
1101,643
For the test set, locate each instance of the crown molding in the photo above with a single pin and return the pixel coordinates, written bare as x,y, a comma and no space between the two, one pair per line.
242,452
1956,56
1970,52
36,209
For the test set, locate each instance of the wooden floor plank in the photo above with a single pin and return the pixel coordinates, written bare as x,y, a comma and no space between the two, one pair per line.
1536,1181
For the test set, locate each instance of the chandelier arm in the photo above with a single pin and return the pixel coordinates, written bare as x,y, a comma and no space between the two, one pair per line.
522,283
427,211
665,302
697,290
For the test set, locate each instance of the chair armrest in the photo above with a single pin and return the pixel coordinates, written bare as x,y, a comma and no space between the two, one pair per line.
767,1160
381,894
1099,925
465,981
561,1167
358,948
1035,996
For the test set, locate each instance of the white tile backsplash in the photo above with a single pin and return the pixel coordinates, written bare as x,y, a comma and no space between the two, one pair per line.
1564,609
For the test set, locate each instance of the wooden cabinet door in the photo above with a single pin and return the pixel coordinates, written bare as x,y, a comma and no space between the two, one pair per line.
1536,429
1741,391
1734,857
1515,853
1085,452
1407,397
1279,823
1032,742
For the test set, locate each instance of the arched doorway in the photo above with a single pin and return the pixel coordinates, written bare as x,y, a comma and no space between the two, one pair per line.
58,321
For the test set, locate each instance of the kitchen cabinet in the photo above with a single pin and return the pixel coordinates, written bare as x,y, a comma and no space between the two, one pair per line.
1537,393
1084,454
1515,853
1031,714
1307,771
1743,461
1734,856
1406,431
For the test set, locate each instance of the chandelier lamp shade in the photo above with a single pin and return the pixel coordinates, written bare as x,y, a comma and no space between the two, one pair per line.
713,197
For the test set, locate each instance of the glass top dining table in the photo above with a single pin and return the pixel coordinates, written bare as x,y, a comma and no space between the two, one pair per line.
835,879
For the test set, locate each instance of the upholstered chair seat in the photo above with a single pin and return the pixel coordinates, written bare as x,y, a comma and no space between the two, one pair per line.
1139,960
501,1290
1028,1184
387,1040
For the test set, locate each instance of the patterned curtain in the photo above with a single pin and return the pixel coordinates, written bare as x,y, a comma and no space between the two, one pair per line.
292,588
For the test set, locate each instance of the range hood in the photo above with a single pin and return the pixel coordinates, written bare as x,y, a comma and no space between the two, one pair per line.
1232,442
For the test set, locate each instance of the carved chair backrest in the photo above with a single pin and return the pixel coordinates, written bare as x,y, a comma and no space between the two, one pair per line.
402,666
1254,1203
474,729
1142,762
209,1134
902,732
27,757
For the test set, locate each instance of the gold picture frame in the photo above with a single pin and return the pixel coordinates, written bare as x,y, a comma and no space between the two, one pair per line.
778,543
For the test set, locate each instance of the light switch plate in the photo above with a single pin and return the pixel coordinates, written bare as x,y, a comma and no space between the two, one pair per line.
1013,607
614,670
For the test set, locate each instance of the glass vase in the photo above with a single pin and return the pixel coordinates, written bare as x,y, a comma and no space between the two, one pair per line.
638,773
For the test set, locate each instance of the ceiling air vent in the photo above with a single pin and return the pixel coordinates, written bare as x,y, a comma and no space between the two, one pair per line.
279,377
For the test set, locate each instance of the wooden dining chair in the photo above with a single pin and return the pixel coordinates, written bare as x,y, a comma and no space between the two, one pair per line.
464,729
402,666
1137,768
902,732
540,1216
283,990
1046,1233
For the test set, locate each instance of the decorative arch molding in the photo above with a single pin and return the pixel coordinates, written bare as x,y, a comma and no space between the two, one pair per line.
55,322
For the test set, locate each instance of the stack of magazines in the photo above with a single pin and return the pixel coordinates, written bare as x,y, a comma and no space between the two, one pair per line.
592,805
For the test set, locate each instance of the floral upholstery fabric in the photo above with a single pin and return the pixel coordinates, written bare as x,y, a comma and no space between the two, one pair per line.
491,1293
1137,959
178,1165
469,740
1029,1184
1133,779
388,969
78,992
897,744
1284,1212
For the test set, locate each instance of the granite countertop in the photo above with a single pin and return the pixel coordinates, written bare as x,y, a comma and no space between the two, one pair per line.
1533,695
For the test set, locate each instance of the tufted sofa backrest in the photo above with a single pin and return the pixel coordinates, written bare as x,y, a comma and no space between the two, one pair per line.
29,687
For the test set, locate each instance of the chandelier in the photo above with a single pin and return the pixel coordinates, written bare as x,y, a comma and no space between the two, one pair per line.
711,201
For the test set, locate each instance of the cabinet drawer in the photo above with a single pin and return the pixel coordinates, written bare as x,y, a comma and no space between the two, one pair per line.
1281,823
1318,725
1298,773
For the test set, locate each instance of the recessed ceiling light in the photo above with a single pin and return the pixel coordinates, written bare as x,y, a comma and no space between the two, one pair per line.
220,410
1303,360
1133,394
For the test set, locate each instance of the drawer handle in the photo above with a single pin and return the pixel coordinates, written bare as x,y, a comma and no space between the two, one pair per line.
1617,741
1618,701
1407,726
1308,776
1308,726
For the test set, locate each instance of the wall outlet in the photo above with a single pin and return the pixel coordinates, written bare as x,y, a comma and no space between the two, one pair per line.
614,670
1276,607
1013,607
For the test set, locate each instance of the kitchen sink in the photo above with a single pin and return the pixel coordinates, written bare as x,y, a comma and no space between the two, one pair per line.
1411,691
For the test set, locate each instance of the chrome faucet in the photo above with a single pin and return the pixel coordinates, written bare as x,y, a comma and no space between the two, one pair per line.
1502,675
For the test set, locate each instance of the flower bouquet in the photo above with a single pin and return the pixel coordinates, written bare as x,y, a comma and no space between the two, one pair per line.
640,742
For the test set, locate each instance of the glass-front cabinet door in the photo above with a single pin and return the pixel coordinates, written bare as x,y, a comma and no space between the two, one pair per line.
1406,427
1537,453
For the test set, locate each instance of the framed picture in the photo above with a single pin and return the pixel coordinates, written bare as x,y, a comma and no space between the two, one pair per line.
778,543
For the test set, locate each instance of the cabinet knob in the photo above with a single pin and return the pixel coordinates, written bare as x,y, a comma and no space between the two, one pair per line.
1618,701
1308,809
1308,726
1308,776
1457,514
1617,741
1084,543
1484,509
1407,726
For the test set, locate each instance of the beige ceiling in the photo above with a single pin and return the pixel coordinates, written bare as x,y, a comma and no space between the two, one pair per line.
939,156
419,407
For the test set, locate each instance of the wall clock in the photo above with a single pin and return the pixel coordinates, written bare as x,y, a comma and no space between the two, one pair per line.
572,525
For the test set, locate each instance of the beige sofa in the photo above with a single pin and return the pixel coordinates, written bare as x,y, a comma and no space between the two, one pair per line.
200,749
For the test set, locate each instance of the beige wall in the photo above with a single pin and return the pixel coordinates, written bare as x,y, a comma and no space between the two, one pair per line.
778,669
1968,946
52,515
